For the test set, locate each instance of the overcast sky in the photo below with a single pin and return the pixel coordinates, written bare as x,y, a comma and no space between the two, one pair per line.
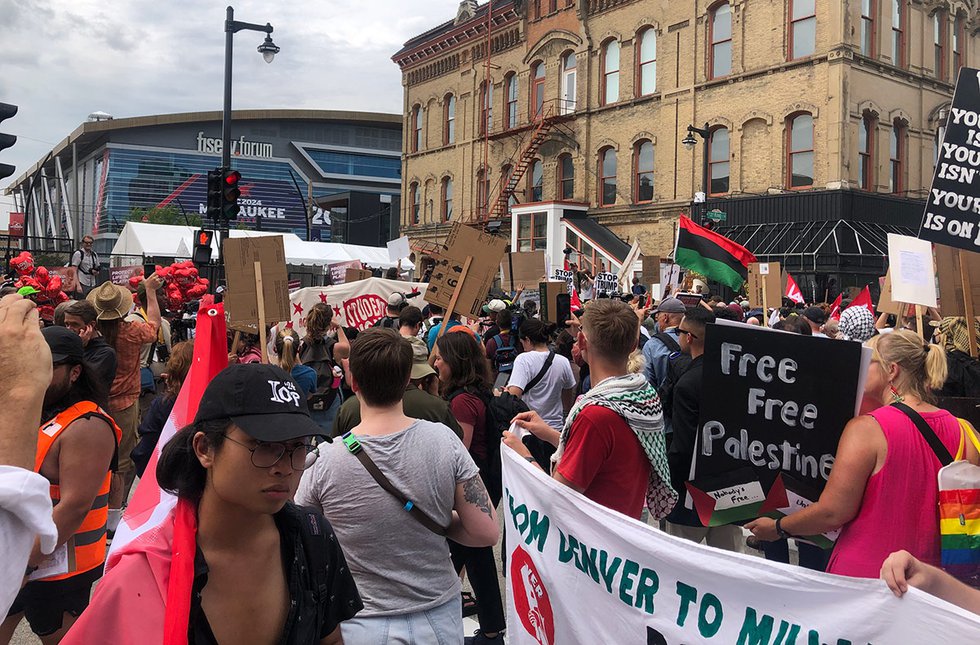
64,59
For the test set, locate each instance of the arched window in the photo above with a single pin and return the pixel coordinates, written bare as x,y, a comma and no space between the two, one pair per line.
959,41
866,151
799,151
537,90
802,28
449,116
416,201
940,37
869,28
607,177
510,83
720,37
610,72
643,171
486,107
899,17
568,82
482,190
646,62
566,177
447,199
417,118
896,154
535,182
719,161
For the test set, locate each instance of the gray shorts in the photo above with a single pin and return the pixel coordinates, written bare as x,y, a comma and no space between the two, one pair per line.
442,625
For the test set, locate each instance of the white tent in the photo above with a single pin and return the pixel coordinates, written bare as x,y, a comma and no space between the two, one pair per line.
138,240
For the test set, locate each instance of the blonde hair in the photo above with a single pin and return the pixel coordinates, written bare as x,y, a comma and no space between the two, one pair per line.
636,363
287,348
923,366
318,321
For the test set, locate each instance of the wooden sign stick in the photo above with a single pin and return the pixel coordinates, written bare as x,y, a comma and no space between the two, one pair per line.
235,341
260,301
918,322
765,300
456,292
971,314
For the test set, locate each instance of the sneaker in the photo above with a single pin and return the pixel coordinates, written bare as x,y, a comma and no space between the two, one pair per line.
479,638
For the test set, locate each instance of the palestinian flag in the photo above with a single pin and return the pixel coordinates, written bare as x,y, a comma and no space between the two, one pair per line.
712,255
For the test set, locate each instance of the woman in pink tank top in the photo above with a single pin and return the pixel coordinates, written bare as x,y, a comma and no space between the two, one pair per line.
882,491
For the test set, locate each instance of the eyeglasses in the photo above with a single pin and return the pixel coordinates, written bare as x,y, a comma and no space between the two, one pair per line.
688,332
267,455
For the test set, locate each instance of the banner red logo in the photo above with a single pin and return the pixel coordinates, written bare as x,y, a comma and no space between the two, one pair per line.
363,311
531,598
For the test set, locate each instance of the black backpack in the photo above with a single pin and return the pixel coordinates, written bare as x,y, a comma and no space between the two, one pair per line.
318,355
677,363
503,358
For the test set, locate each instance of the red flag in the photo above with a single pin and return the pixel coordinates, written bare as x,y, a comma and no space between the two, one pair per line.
576,302
864,300
835,308
792,290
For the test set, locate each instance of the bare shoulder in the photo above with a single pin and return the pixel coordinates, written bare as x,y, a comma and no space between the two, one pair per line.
88,431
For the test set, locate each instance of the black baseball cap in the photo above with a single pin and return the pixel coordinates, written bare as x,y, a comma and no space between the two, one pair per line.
262,400
66,346
816,315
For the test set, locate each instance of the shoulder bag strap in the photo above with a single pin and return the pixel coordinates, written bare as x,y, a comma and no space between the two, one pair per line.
668,341
544,370
355,448
927,433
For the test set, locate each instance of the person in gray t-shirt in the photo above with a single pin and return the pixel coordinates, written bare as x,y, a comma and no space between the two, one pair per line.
402,569
556,388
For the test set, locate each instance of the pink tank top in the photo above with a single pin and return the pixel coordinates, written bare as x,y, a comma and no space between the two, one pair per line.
900,505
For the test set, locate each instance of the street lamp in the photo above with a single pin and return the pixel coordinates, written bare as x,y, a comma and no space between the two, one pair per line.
690,141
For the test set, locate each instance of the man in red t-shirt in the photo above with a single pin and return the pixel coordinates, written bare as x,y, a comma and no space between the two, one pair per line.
602,456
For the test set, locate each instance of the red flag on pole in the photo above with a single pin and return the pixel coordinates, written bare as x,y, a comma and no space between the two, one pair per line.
864,300
792,290
835,308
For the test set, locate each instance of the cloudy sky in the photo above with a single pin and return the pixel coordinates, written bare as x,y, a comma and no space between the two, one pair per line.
64,59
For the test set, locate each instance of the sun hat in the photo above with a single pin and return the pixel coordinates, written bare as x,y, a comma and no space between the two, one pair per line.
111,301
420,359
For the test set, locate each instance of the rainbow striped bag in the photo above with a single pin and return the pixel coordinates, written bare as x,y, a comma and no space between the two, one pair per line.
959,513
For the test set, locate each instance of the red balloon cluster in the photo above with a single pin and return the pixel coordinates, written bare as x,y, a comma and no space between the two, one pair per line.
181,283
49,294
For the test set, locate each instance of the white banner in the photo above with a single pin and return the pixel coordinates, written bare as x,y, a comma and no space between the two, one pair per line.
579,573
355,304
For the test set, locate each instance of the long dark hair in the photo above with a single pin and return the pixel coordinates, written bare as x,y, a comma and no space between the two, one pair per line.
110,330
467,360
179,471
536,331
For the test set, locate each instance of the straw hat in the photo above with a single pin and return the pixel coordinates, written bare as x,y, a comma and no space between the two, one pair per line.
111,301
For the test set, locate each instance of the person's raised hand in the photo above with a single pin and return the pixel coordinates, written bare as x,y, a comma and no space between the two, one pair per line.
153,283
24,354
514,442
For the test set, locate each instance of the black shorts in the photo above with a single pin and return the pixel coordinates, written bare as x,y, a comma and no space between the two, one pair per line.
45,603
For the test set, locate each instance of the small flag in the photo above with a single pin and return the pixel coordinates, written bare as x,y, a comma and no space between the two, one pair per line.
835,308
793,290
712,255
864,300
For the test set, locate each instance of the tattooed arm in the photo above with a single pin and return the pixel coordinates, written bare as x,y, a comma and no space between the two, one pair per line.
474,518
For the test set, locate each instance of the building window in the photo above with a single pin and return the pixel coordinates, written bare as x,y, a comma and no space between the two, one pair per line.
535,182
506,172
417,118
959,41
802,28
610,72
896,154
566,178
552,6
719,162
532,232
899,15
799,151
511,108
447,199
720,37
537,90
416,201
588,257
940,29
643,169
607,177
482,191
866,148
869,28
568,82
646,63
486,107
449,129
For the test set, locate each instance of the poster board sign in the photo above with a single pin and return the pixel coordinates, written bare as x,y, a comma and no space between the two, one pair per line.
950,282
772,283
486,251
580,574
773,410
241,303
605,283
399,249
625,275
886,304
911,268
562,275
651,274
121,275
69,278
522,268
355,304
353,275
338,271
952,214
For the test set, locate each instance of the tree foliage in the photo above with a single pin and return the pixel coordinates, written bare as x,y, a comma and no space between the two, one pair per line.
165,215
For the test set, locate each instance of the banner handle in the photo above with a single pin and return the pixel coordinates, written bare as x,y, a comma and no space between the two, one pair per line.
260,301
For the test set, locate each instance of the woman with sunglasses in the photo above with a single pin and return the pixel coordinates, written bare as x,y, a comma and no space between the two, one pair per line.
264,570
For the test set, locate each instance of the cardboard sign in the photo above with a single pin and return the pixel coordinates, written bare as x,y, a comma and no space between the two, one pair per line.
951,284
353,275
885,302
485,251
525,268
952,214
121,275
651,271
554,303
605,283
911,268
69,278
772,409
771,282
338,271
241,301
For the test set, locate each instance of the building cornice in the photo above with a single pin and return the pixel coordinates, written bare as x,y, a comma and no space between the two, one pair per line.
449,36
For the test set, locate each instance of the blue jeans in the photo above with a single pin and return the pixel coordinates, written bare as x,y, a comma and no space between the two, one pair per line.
442,625
325,418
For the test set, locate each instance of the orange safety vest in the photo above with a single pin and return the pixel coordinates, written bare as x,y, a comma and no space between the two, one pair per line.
86,548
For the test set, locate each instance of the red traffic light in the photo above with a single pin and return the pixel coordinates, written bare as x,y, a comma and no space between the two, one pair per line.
231,177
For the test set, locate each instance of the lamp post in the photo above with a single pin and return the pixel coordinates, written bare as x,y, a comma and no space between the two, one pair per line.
689,142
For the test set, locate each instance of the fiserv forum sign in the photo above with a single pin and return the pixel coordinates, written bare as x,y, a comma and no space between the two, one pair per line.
239,147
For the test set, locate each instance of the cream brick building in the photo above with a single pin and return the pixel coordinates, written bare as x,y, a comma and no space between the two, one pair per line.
801,97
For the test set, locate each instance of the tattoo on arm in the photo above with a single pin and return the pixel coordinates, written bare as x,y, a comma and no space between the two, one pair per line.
476,493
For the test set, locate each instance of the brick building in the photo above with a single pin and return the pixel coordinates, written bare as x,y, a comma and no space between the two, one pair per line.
821,118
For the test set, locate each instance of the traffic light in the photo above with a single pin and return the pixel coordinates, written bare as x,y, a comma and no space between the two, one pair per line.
202,246
230,194
6,140
214,194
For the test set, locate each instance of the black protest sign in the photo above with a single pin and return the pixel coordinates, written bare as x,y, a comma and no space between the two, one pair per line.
952,215
772,402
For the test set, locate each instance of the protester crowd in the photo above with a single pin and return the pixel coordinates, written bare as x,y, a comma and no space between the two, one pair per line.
353,504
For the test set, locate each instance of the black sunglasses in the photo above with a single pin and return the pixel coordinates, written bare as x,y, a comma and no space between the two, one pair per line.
685,331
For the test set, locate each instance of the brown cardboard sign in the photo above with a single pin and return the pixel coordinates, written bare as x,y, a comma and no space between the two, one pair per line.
527,268
768,274
486,252
886,304
551,311
651,270
353,275
241,303
950,279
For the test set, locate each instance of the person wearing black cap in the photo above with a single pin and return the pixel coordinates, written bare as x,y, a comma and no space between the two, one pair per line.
816,318
265,570
76,449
